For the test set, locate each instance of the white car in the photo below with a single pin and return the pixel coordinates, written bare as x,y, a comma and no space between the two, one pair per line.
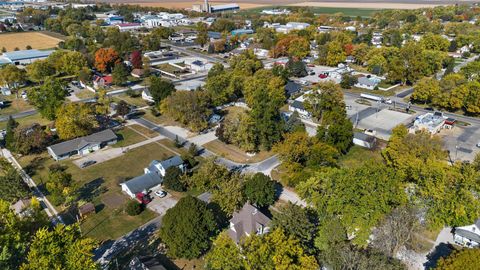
160,193
478,144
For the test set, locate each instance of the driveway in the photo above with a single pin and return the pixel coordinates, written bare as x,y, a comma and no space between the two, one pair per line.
161,205
203,138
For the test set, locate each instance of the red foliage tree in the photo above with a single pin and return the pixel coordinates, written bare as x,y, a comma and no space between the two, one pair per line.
136,59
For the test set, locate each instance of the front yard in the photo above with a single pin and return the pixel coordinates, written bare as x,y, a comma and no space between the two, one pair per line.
15,105
234,153
100,184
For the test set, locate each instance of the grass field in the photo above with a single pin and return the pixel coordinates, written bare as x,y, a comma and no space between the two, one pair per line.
36,40
15,105
234,153
28,120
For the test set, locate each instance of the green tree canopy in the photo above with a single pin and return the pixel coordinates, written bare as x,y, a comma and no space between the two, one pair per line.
260,190
48,98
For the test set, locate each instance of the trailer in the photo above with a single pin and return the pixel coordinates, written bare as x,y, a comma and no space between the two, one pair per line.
376,98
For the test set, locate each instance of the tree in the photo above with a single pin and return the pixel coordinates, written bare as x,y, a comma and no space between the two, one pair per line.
60,186
133,208
67,62
202,36
224,254
276,251
297,68
152,41
338,134
467,258
61,248
190,108
336,193
120,74
13,187
396,230
431,41
30,139
172,179
229,193
75,120
39,70
10,132
160,88
136,59
122,108
297,222
106,59
348,81
260,190
48,97
12,76
218,88
425,90
298,47
187,228
209,175
335,54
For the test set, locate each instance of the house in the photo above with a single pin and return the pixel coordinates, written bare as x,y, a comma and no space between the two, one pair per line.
147,96
102,81
22,207
239,32
145,263
141,183
297,106
197,65
214,35
261,53
431,122
367,83
350,59
249,220
364,140
5,91
468,236
138,72
153,176
292,88
24,57
160,167
83,145
86,209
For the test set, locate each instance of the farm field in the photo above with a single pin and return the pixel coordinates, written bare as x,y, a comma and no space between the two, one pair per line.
37,40
363,12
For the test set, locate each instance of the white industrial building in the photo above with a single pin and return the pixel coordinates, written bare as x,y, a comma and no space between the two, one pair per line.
430,122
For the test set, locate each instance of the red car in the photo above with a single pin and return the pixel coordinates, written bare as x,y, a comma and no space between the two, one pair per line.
143,198
323,76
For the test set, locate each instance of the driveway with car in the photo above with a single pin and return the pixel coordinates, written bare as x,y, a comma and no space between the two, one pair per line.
161,205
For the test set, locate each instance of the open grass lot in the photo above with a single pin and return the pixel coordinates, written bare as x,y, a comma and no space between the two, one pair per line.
15,105
37,40
100,183
28,120
85,93
357,156
234,153
146,132
136,101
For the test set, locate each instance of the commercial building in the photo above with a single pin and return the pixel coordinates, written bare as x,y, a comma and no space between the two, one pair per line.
24,57
223,8
430,122
124,27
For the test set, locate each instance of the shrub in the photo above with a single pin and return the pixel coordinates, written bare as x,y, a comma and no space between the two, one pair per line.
172,179
133,208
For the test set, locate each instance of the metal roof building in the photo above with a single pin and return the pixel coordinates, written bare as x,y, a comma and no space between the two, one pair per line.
25,56
222,8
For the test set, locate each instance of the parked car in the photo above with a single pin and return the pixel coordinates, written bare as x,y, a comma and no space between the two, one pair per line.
160,193
478,144
323,76
87,163
143,198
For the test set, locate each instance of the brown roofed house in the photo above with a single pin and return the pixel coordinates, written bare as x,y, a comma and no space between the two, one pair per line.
249,220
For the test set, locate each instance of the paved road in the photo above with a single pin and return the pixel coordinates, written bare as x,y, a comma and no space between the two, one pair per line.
18,115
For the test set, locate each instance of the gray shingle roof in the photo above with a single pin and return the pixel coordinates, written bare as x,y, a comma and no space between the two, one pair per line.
364,137
247,221
76,144
171,162
366,81
143,182
298,105
468,234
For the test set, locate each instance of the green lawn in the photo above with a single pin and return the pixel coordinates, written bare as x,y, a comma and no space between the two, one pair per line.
128,136
28,120
101,180
136,101
85,93
357,156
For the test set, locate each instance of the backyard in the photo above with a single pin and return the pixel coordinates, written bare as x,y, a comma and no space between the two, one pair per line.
100,184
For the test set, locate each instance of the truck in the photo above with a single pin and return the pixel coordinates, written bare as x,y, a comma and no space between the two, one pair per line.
376,98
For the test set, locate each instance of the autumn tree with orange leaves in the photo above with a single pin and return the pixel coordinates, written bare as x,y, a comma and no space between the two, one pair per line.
105,59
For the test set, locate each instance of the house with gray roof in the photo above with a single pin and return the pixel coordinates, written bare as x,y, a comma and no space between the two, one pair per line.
367,82
153,176
468,236
160,167
141,183
364,140
249,220
82,146
297,106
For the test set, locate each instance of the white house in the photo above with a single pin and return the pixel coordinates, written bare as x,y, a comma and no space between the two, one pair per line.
197,65
468,236
297,106
147,96
364,140
153,176
367,83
